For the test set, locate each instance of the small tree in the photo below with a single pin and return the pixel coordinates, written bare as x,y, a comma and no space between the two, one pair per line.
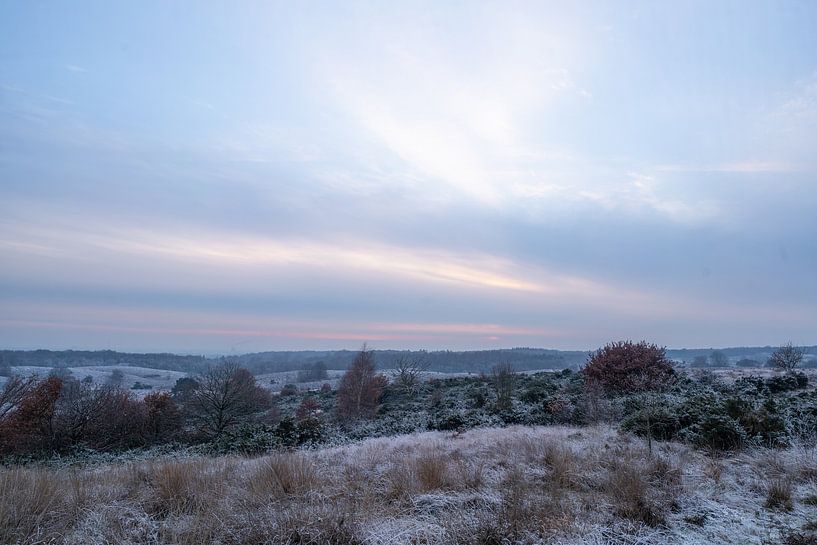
700,362
625,366
503,378
29,426
227,394
408,373
164,420
718,359
6,362
787,357
116,377
307,410
360,388
313,373
184,389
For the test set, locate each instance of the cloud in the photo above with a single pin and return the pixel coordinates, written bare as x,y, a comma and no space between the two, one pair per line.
495,174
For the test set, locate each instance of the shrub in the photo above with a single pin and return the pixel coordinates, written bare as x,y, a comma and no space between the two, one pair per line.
787,357
309,431
184,388
716,431
748,363
625,366
787,382
289,390
27,428
700,362
308,409
765,425
164,420
245,439
447,422
660,423
313,373
287,432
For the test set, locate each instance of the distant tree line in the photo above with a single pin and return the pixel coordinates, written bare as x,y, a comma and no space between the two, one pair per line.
445,361
85,358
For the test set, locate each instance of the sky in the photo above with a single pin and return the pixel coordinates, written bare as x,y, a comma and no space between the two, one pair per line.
227,177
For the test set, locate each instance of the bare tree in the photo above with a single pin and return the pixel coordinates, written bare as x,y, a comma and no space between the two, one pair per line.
787,357
503,377
360,388
226,395
13,392
408,373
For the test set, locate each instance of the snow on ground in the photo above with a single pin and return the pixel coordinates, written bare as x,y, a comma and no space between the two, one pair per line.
157,379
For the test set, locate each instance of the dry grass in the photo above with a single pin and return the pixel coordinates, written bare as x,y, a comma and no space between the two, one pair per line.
282,475
432,471
30,503
513,485
778,494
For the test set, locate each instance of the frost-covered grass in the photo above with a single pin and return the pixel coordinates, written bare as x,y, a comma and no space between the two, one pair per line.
494,485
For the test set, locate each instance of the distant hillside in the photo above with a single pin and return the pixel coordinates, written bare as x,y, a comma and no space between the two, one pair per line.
85,358
445,361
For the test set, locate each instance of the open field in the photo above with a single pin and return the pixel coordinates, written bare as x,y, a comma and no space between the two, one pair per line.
510,485
156,379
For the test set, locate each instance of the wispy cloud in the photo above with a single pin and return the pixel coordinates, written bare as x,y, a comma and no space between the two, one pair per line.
440,173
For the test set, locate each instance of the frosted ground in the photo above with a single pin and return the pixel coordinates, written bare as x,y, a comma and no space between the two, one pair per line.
489,486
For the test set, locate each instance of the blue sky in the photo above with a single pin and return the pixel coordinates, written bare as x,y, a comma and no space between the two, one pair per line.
218,177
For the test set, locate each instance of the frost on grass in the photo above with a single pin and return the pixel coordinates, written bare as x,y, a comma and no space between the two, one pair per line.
488,486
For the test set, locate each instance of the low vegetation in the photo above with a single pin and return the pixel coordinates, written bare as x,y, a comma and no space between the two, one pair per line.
500,485
628,450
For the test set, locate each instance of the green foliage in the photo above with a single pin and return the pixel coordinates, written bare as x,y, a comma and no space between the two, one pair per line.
246,439
660,423
289,390
716,432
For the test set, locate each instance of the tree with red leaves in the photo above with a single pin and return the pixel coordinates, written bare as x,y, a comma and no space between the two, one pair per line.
625,366
308,409
28,425
360,388
164,419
